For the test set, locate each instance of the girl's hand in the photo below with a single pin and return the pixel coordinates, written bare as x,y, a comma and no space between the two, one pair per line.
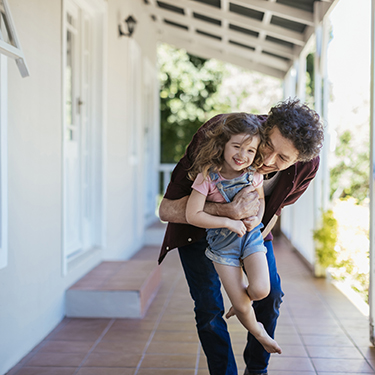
237,226
251,222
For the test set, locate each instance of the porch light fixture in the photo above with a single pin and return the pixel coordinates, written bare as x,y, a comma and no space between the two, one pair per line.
130,22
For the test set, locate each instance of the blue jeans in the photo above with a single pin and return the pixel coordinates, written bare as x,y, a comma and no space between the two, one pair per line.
212,330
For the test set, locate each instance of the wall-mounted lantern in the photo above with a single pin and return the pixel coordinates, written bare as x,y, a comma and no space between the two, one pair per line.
130,22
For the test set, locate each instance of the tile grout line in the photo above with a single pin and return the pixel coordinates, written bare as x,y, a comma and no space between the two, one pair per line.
301,338
300,335
342,327
152,334
318,293
22,363
106,329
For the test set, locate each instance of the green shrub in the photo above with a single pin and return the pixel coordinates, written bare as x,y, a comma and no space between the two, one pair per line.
325,238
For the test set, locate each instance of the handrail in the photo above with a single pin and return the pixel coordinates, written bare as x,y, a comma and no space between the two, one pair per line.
165,169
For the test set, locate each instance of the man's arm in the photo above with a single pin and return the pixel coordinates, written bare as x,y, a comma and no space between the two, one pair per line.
244,205
173,211
303,183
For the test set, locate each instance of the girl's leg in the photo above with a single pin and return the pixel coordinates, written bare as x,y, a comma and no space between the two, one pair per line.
267,312
232,279
256,267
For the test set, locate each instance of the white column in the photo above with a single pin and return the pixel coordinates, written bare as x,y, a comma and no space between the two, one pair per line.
324,113
318,107
301,76
372,180
290,83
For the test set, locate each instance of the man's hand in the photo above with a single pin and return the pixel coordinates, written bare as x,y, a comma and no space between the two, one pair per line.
244,205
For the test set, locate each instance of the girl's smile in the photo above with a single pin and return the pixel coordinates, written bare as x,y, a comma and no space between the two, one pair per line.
239,154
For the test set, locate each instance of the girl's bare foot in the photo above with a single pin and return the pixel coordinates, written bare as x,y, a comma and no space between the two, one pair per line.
268,342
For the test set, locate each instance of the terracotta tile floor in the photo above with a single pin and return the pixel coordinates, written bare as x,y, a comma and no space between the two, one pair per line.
319,329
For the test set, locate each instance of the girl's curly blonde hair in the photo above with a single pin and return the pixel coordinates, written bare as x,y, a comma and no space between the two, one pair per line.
210,156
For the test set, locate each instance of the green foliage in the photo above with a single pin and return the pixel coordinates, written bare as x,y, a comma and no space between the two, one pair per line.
310,75
350,175
188,95
326,238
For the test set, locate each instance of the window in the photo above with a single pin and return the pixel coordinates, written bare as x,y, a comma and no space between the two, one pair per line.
9,47
9,44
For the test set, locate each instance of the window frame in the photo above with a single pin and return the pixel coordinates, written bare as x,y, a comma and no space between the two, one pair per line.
12,48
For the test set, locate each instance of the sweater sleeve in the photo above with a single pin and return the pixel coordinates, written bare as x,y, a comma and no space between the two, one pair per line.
302,185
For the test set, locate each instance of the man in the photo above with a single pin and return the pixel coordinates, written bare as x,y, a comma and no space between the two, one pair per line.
294,137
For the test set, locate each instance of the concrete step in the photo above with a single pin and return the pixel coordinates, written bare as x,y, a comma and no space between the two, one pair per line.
123,289
155,233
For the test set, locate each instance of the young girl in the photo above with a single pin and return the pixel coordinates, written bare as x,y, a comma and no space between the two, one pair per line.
226,163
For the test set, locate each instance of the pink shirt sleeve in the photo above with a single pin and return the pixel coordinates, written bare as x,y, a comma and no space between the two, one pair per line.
257,180
201,184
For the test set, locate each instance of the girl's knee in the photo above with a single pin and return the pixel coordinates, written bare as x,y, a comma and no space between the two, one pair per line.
258,292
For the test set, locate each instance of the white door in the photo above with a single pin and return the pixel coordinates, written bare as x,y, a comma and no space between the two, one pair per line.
78,129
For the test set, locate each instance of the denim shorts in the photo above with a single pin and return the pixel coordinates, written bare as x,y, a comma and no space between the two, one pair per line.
225,247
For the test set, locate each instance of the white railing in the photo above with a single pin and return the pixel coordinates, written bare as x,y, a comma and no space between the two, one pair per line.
165,171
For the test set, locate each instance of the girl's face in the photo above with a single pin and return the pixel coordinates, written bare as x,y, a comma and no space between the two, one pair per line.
239,152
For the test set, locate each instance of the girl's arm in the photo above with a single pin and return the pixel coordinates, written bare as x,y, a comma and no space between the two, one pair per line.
244,205
196,216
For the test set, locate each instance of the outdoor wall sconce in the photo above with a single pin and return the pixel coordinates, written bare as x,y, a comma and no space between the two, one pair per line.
130,22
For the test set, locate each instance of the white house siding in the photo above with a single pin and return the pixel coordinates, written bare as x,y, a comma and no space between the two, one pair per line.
297,223
127,112
33,284
299,220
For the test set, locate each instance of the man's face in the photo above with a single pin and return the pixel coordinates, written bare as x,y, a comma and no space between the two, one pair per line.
279,153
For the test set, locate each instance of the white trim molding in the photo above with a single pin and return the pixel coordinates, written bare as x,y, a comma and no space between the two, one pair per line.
3,162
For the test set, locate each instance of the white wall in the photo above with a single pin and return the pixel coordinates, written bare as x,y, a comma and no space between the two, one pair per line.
32,285
125,136
32,292
299,220
297,223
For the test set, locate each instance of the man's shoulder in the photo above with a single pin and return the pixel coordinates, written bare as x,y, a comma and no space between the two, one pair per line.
307,169
313,164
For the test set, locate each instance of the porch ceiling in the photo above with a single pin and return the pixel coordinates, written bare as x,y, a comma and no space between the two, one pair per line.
260,35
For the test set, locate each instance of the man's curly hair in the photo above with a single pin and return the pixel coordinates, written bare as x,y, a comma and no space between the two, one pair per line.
298,123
